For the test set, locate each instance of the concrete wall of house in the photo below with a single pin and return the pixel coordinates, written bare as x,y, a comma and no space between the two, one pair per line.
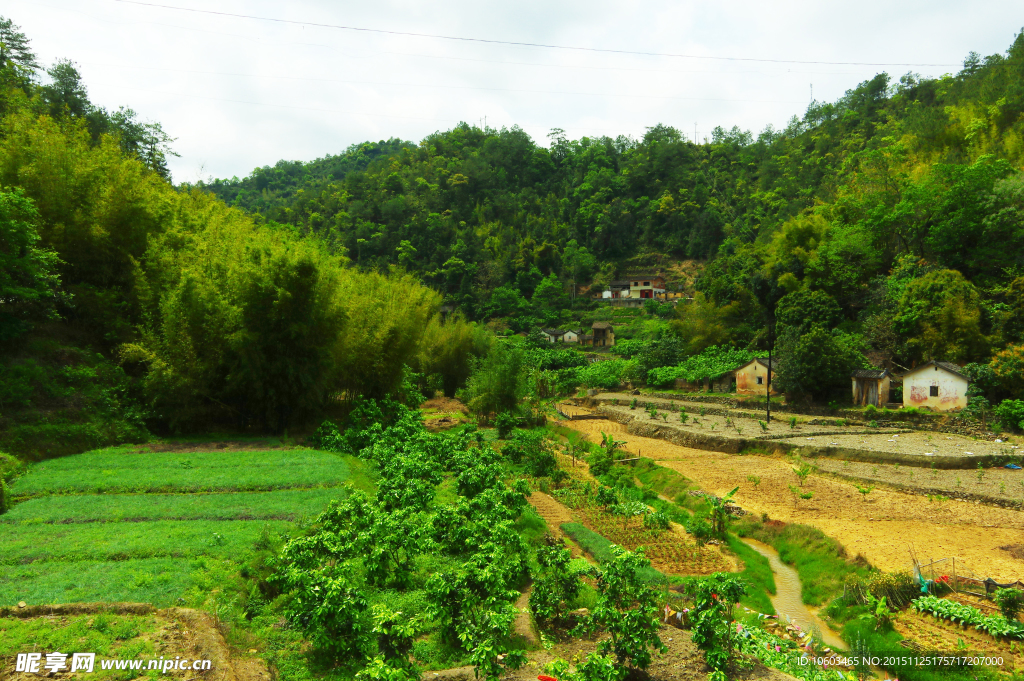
570,337
862,391
746,379
952,390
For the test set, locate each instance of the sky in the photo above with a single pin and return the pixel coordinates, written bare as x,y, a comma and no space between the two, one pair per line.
284,82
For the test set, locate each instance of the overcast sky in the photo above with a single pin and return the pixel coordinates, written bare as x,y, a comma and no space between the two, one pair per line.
239,93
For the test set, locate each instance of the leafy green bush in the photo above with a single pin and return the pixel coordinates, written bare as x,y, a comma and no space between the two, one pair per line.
627,609
713,600
530,447
505,422
711,363
555,586
1011,414
1010,602
898,588
700,528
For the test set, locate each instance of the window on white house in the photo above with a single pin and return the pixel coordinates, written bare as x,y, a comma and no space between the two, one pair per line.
647,283
933,391
760,380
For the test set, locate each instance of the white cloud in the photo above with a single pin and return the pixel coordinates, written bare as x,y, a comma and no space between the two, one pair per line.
241,93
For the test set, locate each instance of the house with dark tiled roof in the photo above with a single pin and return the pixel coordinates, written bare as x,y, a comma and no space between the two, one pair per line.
871,386
940,386
553,335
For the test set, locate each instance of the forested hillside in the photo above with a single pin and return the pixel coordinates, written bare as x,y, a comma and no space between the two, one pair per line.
129,305
885,228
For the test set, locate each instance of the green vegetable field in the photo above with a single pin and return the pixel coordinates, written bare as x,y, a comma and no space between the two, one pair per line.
80,535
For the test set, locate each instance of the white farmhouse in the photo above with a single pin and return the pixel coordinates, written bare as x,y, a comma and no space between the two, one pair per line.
940,386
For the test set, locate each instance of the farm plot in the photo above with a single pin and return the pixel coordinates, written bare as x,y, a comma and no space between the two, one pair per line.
669,551
130,469
882,525
69,541
287,504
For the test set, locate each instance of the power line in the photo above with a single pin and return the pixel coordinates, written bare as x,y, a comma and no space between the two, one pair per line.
444,87
518,43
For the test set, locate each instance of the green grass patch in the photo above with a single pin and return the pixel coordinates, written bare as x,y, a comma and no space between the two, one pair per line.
122,541
105,634
600,548
665,481
160,581
127,469
288,504
820,561
757,573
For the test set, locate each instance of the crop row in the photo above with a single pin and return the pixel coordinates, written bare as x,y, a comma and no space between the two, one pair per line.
966,615
124,470
291,504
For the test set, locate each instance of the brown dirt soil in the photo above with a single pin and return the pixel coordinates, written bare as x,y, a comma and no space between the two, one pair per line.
682,662
997,484
825,433
446,405
442,413
883,526
552,511
673,552
523,625
179,632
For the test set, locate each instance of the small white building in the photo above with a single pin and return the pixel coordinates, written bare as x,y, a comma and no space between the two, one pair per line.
571,336
940,386
553,335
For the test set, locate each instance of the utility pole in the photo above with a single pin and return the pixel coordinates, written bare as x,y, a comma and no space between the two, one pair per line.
695,132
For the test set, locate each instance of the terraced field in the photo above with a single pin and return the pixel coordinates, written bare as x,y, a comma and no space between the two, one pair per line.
130,524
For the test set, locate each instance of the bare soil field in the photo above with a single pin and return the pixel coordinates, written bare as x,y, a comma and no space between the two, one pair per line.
883,526
822,433
1000,484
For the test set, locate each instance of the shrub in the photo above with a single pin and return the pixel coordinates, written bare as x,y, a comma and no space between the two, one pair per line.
898,588
1011,414
555,586
713,599
505,422
1010,602
700,528
600,462
656,521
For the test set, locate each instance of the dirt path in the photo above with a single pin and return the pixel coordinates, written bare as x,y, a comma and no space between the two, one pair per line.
553,512
883,526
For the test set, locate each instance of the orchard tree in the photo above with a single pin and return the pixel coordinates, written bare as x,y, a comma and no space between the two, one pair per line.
627,609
